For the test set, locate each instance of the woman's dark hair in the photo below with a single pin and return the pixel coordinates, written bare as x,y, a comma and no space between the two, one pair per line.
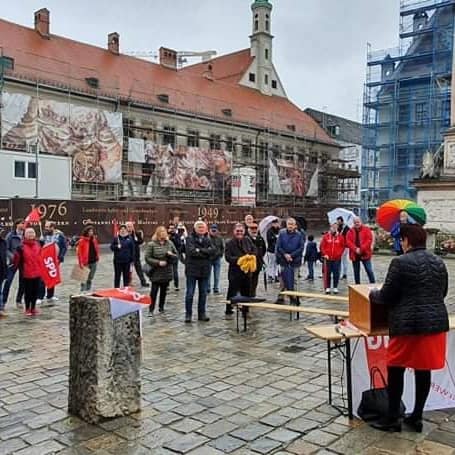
416,235
18,221
311,238
87,229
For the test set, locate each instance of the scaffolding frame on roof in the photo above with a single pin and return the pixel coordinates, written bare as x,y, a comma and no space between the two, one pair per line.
406,101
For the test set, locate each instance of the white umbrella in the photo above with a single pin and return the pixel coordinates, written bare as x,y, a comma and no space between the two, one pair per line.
348,216
265,224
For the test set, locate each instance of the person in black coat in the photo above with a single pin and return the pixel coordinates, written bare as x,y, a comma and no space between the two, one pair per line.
123,248
3,266
138,239
239,282
272,237
261,249
199,254
176,239
311,256
414,292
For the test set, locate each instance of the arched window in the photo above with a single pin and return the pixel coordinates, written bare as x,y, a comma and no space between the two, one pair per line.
256,25
266,54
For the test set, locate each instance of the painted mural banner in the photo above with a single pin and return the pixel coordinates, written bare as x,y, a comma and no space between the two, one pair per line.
188,168
371,352
243,187
72,216
290,177
92,137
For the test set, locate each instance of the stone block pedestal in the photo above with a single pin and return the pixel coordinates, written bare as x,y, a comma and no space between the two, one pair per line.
105,355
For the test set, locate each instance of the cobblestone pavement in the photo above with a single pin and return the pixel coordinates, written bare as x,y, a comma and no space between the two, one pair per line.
206,389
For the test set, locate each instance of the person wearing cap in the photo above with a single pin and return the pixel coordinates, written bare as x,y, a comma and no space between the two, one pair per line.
261,248
215,266
198,257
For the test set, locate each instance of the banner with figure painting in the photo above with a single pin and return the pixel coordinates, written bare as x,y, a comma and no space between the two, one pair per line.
188,168
243,186
92,137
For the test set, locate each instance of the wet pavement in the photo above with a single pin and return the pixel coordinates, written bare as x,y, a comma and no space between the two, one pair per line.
205,388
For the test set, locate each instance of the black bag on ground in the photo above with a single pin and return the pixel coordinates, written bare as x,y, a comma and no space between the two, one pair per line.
375,402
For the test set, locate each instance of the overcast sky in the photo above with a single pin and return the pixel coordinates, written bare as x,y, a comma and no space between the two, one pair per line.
319,46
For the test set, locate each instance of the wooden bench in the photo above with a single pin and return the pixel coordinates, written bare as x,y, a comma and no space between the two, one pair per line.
311,295
292,309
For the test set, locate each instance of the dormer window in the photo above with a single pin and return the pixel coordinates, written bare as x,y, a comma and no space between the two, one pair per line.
252,77
274,84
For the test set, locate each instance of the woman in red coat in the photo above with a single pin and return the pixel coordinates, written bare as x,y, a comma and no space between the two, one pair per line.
88,255
27,259
332,249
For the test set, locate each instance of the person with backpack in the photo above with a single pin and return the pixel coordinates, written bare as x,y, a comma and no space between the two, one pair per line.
123,248
27,259
160,255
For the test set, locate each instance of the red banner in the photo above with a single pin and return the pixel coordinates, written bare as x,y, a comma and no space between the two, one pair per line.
128,294
50,270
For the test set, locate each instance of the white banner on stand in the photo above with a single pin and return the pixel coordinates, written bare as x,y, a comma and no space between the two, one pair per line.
370,352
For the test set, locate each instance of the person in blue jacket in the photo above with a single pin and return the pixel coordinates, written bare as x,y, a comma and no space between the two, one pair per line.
289,254
396,231
123,247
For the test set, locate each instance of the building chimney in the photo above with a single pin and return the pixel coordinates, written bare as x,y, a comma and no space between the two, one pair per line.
113,43
168,58
42,22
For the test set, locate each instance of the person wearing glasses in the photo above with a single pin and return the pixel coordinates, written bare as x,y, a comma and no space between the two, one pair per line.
414,291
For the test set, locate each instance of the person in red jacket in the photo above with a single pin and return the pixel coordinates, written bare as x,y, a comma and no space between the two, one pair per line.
27,258
88,255
359,240
332,248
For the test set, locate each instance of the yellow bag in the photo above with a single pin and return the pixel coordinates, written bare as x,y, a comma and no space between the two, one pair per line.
247,263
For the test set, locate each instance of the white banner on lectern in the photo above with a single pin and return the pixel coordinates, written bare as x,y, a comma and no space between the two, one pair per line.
370,352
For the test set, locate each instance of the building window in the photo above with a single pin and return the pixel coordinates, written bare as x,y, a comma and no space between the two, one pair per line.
267,22
169,136
266,79
266,54
230,143
215,142
31,169
246,149
274,83
193,138
24,169
252,77
19,169
421,113
6,63
256,25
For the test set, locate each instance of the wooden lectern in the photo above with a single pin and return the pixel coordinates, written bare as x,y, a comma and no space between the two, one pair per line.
368,317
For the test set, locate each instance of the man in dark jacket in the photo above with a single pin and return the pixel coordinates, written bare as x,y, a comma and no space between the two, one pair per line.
3,267
176,239
272,237
13,241
215,266
261,248
138,239
199,254
289,251
239,281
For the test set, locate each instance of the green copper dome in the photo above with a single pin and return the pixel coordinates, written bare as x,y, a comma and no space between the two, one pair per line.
258,3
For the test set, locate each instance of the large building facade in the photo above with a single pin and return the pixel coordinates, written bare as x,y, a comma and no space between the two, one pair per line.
407,101
221,132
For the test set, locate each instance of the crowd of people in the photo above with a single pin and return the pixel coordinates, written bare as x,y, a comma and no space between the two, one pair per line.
279,253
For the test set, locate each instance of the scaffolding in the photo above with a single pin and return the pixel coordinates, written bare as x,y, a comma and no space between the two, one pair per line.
406,101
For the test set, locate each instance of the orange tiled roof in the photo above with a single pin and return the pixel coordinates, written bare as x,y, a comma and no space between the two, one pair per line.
64,62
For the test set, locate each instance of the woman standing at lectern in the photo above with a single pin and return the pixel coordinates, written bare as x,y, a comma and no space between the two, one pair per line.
414,292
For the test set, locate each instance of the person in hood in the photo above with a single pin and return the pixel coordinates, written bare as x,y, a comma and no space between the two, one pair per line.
123,248
88,255
27,259
332,249
13,241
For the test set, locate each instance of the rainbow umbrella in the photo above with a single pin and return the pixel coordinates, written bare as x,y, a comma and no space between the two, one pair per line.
389,213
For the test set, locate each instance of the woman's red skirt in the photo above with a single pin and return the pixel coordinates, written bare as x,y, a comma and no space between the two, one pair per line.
419,352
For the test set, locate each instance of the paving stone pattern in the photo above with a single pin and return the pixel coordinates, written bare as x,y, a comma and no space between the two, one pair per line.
205,388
